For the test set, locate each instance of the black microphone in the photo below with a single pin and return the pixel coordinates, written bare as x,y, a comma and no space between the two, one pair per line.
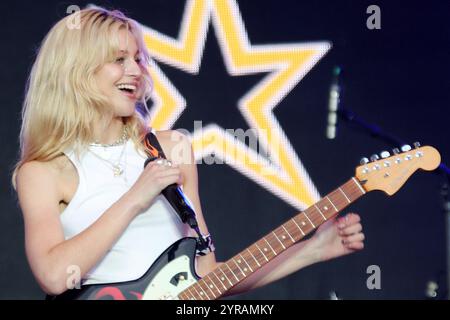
333,104
178,200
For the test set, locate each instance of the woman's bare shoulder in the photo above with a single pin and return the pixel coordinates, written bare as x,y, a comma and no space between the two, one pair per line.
33,169
176,145
55,173
170,136
51,167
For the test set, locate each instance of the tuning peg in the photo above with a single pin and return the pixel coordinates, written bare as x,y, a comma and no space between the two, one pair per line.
364,161
406,148
385,154
374,157
416,145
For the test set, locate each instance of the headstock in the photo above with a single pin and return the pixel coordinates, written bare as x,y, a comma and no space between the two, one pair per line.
388,173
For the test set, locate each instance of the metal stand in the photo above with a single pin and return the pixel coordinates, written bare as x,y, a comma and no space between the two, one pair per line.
446,208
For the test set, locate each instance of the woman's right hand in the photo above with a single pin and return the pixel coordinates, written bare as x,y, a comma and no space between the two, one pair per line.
156,176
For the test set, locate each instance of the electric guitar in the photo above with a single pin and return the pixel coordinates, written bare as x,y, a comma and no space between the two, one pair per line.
173,276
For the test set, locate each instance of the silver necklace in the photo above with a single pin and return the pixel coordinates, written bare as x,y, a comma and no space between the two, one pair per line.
123,138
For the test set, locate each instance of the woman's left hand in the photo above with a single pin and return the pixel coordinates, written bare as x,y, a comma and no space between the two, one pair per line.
339,237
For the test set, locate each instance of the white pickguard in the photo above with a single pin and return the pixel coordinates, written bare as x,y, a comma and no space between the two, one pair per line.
161,288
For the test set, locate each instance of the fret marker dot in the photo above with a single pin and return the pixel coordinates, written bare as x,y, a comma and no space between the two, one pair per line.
223,279
201,293
211,286
303,223
239,261
245,269
265,249
325,208
283,237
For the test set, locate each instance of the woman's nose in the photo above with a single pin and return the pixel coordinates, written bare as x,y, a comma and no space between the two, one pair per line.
132,68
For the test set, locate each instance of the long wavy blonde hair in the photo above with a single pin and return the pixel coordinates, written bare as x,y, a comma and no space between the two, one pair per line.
62,98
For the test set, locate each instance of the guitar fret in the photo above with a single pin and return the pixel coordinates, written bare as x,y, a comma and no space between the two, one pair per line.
344,195
304,212
293,241
198,294
225,277
269,245
193,295
262,252
332,203
220,293
209,285
298,226
254,258
202,292
338,199
246,262
325,219
208,288
189,291
229,274
238,267
278,239
225,288
359,185
237,279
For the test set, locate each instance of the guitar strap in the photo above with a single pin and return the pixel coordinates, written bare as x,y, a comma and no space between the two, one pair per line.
152,146
154,150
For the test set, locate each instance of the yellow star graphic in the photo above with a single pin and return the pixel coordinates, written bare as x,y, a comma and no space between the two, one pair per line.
284,175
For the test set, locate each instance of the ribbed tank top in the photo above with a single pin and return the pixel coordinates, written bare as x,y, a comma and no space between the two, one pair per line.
145,238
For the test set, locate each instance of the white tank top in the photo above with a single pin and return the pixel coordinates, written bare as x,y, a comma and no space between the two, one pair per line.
146,237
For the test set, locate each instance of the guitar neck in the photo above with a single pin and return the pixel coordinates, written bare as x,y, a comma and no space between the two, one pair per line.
215,284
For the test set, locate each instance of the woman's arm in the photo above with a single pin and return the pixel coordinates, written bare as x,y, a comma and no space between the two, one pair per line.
333,239
51,257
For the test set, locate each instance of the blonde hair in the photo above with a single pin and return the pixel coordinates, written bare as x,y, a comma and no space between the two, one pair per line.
62,98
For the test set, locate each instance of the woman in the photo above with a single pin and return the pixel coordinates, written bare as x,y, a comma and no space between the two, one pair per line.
86,198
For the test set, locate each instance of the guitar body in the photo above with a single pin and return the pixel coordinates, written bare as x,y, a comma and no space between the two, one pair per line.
171,273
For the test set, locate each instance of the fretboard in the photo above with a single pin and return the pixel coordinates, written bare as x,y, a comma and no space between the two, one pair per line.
215,284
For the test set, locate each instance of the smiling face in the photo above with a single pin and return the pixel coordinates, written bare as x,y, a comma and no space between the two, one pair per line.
121,80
